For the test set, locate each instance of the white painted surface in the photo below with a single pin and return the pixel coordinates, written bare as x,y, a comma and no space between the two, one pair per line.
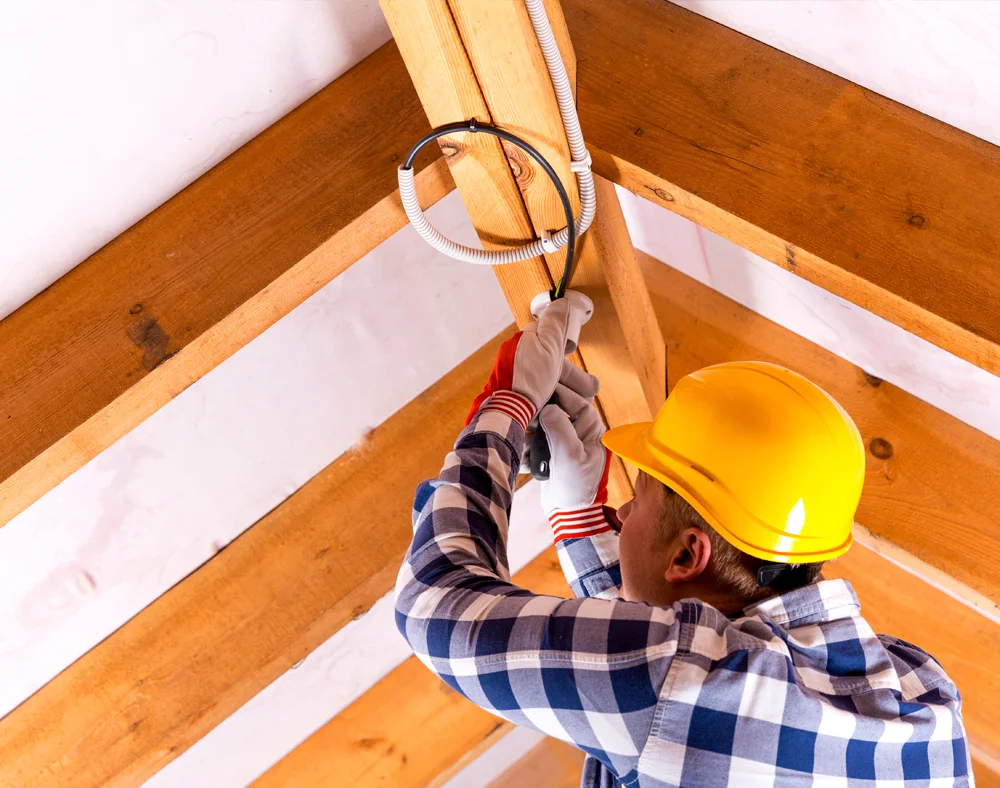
110,108
941,57
327,681
116,106
159,502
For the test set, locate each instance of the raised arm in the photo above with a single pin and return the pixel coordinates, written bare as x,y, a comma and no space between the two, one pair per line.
587,671
575,495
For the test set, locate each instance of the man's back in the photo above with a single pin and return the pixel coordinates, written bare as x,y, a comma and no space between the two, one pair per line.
799,689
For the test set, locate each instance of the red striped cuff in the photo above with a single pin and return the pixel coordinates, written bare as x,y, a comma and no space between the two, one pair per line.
578,523
515,405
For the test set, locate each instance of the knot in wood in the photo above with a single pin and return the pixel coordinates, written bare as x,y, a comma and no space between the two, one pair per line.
881,449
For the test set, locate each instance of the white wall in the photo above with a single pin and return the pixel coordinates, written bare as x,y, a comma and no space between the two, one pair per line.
115,106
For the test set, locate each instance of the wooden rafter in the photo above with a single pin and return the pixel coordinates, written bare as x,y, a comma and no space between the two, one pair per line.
289,555
131,327
462,70
205,647
871,200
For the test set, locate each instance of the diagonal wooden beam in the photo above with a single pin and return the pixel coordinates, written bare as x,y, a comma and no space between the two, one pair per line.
204,648
462,69
551,763
139,321
408,729
869,199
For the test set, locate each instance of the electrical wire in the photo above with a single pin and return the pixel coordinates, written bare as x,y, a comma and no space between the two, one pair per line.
476,128
579,164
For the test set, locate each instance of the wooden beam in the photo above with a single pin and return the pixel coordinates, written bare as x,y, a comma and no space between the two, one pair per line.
932,480
873,201
410,726
140,320
146,693
406,730
461,69
550,763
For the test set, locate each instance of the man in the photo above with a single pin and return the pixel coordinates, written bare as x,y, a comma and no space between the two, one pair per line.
705,649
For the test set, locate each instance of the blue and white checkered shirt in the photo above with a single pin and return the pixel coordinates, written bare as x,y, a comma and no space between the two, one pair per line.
798,690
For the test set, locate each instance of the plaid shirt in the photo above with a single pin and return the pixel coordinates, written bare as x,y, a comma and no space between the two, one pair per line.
798,690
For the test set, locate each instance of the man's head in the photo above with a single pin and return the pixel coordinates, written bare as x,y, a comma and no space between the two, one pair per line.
746,465
669,552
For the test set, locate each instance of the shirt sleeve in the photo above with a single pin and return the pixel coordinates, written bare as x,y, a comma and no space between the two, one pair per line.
589,560
587,671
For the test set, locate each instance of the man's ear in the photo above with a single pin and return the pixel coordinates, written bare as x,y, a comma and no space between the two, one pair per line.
689,556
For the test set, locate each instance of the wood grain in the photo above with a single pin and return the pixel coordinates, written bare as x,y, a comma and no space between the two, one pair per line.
876,202
168,676
461,69
932,481
140,320
408,729
549,764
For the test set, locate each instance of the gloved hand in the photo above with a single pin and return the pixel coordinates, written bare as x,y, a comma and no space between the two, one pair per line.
577,488
530,364
573,380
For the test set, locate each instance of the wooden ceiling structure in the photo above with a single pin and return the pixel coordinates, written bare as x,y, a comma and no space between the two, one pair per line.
873,201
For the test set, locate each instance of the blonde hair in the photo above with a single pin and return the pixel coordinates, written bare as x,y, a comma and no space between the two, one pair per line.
730,567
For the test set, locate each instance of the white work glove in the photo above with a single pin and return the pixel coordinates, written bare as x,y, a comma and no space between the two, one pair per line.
577,488
530,364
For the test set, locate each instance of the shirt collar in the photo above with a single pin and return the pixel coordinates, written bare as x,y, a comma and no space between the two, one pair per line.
827,600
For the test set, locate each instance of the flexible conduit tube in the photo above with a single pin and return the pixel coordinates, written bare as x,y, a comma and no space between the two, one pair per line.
580,165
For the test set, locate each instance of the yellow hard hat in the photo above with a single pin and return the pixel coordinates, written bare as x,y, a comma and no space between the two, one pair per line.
769,459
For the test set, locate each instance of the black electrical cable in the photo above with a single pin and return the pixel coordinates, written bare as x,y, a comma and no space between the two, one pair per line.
475,127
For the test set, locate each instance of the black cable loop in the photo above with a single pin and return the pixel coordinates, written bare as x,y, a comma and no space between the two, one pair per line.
475,127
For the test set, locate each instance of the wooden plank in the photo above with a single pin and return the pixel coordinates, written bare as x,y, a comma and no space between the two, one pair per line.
410,726
406,730
932,480
208,645
462,70
132,326
871,200
549,764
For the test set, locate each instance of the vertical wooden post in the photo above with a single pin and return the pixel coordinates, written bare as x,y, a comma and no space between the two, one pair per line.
480,59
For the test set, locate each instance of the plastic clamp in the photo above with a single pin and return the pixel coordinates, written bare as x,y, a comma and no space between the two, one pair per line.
581,165
548,246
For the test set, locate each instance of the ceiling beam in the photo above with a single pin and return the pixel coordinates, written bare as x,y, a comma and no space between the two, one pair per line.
143,318
462,69
409,729
163,680
551,763
867,198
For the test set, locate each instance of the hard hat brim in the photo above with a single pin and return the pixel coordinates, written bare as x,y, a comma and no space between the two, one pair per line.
629,442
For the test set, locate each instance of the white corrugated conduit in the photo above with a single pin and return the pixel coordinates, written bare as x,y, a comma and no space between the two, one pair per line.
580,165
